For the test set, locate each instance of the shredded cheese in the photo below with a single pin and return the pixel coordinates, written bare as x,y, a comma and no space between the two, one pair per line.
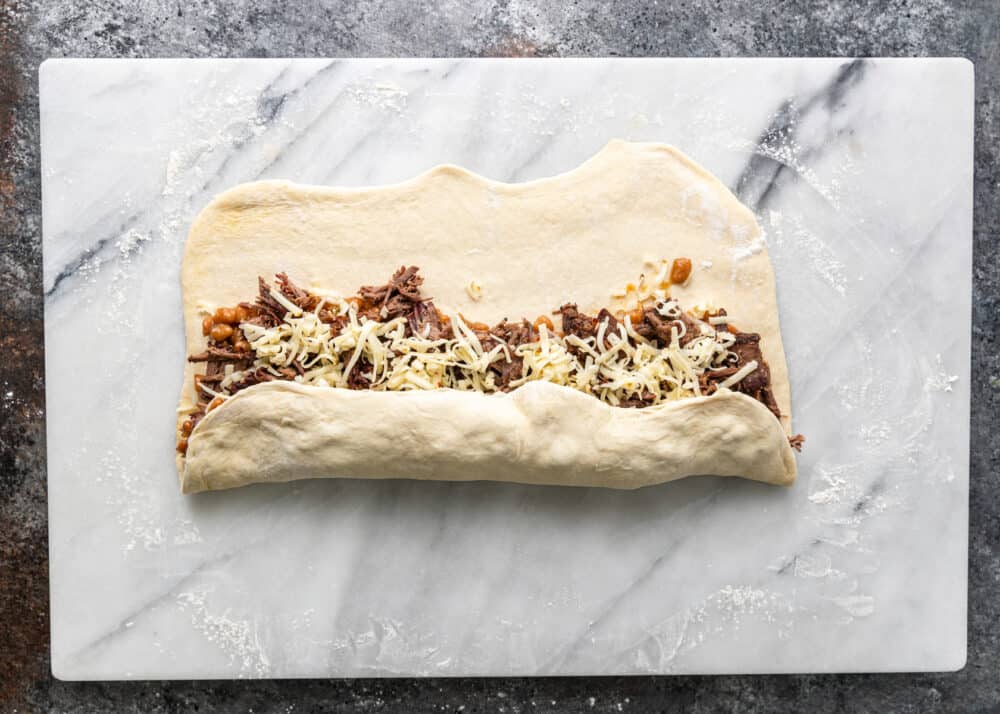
616,365
212,393
742,372
288,304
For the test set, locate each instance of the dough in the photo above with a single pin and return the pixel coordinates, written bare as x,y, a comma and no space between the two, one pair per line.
576,237
540,433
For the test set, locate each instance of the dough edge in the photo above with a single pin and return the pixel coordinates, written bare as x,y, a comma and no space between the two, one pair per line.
540,433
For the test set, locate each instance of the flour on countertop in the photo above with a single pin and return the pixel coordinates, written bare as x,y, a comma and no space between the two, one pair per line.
857,605
238,639
941,381
790,233
859,390
381,95
792,155
819,565
832,493
723,612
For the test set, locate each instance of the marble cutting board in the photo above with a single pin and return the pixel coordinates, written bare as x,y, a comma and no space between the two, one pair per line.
860,173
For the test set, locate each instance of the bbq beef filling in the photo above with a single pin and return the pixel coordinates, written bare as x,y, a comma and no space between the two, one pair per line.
244,347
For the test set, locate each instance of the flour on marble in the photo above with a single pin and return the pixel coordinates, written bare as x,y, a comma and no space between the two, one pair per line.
144,519
940,381
790,232
841,538
817,565
221,125
721,613
832,485
856,605
791,154
200,142
239,639
858,389
386,96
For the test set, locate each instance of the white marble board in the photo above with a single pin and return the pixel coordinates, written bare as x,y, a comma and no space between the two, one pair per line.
860,173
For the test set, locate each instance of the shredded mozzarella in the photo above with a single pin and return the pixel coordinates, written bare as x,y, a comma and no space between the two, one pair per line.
288,304
741,373
616,365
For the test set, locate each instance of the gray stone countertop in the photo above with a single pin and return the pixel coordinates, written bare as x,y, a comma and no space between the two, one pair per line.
31,32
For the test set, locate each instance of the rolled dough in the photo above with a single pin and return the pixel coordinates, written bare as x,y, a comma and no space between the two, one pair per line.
533,246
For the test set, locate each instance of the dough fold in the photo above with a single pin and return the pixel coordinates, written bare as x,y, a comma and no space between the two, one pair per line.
540,433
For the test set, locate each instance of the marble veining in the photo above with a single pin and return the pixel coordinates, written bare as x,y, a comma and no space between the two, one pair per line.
861,174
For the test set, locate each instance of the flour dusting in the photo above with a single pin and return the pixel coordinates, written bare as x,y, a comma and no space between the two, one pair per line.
239,639
941,381
722,613
791,233
385,96
857,605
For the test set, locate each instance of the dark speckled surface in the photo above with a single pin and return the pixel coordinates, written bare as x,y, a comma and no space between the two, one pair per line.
30,32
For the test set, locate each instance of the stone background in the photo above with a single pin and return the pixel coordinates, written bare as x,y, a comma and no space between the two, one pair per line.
31,32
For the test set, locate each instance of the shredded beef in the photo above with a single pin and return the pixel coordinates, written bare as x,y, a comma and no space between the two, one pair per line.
692,329
356,379
250,378
654,327
747,348
513,334
270,312
485,337
294,293
507,371
611,329
398,306
583,326
709,381
647,327
215,371
638,401
405,282
796,441
218,354
424,320
576,323
757,384
658,329
400,297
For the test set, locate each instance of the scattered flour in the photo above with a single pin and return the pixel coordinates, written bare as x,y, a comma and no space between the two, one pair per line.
791,154
941,381
754,247
856,605
721,613
791,232
381,95
238,639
